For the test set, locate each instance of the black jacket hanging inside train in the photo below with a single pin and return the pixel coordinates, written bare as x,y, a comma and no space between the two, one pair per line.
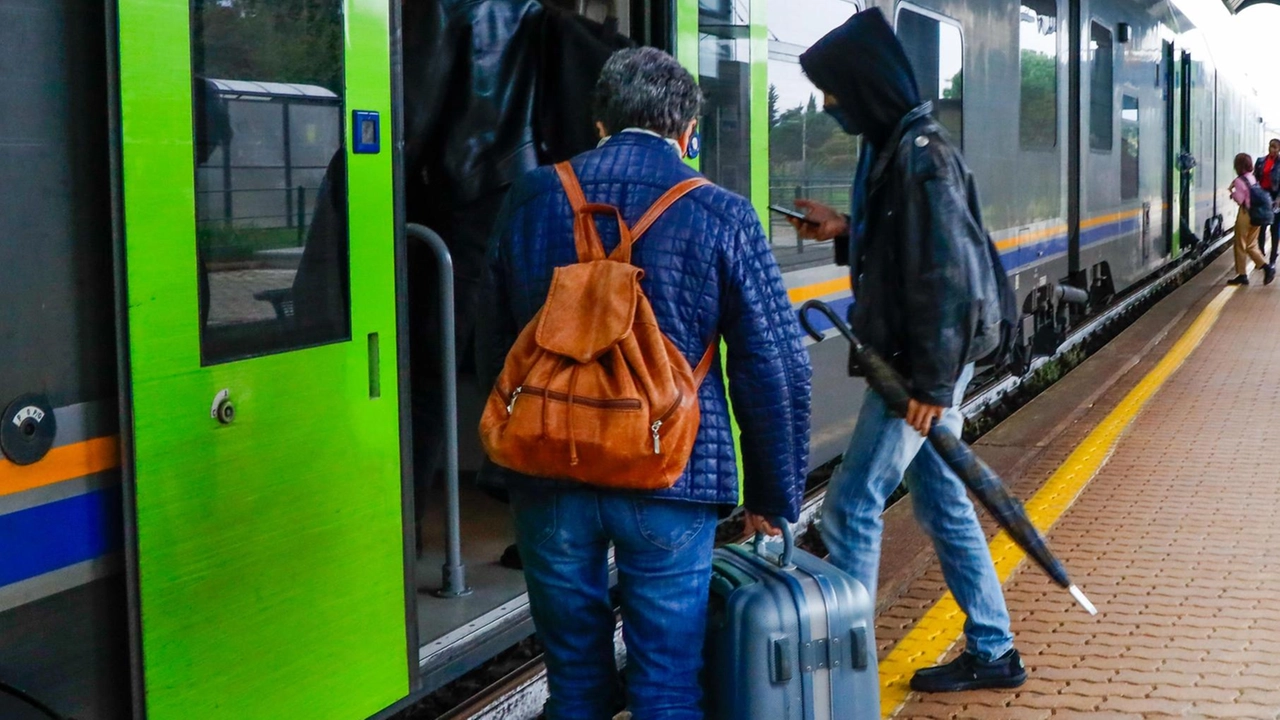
492,89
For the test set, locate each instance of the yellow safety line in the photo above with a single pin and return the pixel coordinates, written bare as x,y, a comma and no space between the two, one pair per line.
940,628
818,289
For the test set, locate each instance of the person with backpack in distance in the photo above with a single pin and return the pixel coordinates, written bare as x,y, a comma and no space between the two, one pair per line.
611,281
1267,172
1254,212
931,296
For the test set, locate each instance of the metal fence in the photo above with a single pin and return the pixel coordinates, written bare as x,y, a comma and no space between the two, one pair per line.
784,191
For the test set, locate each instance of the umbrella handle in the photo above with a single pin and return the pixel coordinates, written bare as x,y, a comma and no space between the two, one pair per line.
788,542
835,319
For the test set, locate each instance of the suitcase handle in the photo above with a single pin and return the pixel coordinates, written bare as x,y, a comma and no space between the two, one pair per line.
788,542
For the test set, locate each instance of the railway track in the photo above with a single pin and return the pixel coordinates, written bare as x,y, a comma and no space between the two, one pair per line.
521,693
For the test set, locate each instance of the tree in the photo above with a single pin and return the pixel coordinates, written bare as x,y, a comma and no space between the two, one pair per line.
773,105
1038,120
955,88
295,41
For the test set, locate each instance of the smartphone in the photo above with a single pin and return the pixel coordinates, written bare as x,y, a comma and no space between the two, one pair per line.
793,214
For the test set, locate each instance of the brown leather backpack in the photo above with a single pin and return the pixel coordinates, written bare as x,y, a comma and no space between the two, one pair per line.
592,390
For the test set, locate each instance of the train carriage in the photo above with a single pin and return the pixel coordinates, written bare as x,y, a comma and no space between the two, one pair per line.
205,495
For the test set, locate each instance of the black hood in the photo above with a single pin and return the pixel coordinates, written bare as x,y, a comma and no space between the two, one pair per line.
864,66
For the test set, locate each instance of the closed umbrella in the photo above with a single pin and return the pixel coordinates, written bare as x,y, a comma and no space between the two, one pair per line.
981,480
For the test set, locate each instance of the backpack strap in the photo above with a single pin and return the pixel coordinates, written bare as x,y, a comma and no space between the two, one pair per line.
668,199
704,365
586,237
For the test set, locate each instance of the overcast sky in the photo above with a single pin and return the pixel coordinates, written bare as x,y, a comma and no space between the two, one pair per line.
1248,42
1257,30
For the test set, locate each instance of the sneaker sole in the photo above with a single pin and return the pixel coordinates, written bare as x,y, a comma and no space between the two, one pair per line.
992,684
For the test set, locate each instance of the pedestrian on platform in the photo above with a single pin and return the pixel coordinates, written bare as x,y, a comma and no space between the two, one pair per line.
926,298
1247,193
1267,172
708,273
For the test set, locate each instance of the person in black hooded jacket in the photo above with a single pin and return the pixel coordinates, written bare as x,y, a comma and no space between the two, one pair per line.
926,296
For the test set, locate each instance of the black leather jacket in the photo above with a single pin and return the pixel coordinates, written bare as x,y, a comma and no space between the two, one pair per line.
492,90
925,288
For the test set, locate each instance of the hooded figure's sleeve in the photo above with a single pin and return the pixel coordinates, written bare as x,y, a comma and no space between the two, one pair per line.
935,265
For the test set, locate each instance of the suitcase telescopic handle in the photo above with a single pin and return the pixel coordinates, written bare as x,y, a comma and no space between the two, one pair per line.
788,542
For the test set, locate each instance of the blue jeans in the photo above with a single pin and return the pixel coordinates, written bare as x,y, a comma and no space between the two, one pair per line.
883,452
662,549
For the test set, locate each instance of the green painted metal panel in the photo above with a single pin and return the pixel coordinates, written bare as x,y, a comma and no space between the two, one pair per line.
686,50
686,34
271,579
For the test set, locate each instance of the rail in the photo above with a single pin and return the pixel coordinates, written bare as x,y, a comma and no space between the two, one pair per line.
453,581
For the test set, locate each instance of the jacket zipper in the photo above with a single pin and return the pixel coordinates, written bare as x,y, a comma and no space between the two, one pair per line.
621,404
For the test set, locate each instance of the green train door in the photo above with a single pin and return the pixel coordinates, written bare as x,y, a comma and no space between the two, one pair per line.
259,283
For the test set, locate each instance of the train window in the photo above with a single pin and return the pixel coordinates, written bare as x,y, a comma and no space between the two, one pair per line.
1100,88
809,155
270,179
1129,148
724,71
1038,43
936,49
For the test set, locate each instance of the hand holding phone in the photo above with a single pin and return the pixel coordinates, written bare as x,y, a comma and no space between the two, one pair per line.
792,214
818,222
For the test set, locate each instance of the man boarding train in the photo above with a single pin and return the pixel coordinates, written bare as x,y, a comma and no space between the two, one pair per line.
920,268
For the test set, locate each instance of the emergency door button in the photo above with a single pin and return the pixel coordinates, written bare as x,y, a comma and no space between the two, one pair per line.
366,132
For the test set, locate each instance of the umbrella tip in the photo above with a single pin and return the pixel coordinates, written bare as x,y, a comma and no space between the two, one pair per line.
1084,601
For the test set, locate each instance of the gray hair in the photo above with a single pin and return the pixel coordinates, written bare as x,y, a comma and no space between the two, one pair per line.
646,88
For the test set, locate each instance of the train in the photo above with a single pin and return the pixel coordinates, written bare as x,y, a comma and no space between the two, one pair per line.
205,513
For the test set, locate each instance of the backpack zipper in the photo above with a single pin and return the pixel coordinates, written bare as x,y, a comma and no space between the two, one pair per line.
622,404
619,404
657,424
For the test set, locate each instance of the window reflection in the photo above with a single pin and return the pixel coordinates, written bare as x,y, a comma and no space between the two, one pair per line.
1100,87
936,52
1038,42
270,175
809,155
724,71
1129,136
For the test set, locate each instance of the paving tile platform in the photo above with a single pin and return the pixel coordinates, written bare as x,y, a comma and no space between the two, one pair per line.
1176,539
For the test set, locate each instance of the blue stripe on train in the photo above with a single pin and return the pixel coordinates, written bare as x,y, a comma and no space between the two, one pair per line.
1091,236
49,537
1049,246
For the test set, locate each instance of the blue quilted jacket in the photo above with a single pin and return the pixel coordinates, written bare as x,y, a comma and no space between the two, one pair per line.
708,272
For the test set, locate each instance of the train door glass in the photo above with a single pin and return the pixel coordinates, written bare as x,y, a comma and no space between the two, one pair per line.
1186,201
1129,137
267,545
809,155
1038,100
724,71
935,47
1101,108
270,178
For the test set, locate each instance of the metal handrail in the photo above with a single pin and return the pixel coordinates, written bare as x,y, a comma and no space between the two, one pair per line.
453,580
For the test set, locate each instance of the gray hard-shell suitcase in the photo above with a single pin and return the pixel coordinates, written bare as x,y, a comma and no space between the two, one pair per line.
788,638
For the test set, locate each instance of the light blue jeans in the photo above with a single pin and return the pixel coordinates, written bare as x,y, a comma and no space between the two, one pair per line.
883,452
